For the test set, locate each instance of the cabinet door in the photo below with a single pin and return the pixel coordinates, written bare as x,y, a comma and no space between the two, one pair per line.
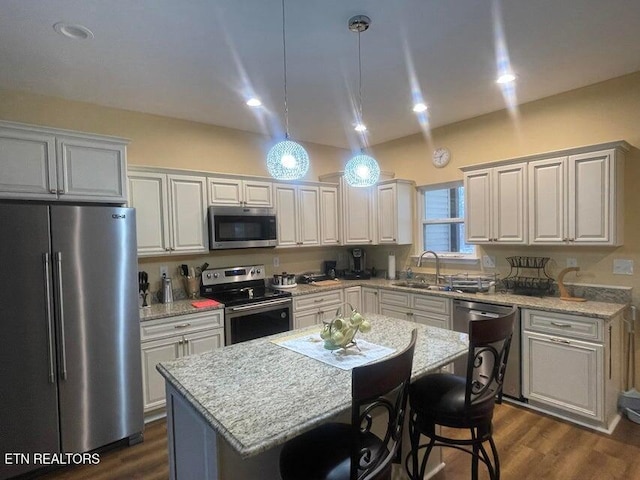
370,300
257,193
432,319
152,382
329,216
387,213
565,374
27,165
547,206
509,204
225,191
590,198
92,170
202,342
148,194
309,215
477,206
287,214
353,297
305,318
358,223
188,214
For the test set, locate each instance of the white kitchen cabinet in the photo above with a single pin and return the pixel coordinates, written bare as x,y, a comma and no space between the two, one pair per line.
395,212
496,204
315,308
171,212
416,307
239,192
370,303
571,365
329,216
170,338
353,298
358,213
298,214
38,163
577,199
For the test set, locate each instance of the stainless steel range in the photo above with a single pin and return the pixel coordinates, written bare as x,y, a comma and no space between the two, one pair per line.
252,310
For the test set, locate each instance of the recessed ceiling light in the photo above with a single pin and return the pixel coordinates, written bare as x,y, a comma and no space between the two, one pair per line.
506,78
73,31
419,108
254,102
360,127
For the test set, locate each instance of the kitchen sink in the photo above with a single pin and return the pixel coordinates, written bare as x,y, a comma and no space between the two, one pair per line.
421,285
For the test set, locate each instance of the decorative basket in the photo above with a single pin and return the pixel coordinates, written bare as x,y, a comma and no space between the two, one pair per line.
340,332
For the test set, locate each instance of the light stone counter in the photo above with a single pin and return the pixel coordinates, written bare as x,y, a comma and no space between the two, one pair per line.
604,310
179,307
257,395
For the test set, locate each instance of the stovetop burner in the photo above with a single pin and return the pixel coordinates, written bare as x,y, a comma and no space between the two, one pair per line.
235,286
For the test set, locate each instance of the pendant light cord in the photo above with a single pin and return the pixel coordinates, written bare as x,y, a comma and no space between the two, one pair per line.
360,120
284,49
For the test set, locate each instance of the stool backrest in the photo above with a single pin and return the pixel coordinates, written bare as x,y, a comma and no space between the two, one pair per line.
379,390
489,342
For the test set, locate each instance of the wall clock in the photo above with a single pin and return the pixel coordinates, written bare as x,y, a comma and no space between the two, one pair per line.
441,157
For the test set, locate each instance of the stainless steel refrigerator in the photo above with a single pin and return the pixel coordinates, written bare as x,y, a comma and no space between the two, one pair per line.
70,368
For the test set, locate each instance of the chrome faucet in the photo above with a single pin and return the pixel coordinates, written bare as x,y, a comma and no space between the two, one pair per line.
435,255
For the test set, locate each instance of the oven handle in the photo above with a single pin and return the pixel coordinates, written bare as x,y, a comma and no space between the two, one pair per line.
257,305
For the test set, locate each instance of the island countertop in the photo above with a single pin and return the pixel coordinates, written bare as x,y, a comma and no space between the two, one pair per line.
257,394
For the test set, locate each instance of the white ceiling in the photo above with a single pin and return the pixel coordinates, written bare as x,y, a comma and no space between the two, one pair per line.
196,59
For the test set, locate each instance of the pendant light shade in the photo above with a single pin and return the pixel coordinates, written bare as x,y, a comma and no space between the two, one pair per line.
287,160
362,170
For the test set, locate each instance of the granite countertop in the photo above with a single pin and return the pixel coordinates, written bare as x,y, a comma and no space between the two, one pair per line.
604,310
258,395
179,307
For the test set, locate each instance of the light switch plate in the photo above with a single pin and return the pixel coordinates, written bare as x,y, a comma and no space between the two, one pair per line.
572,262
276,261
623,266
164,271
489,261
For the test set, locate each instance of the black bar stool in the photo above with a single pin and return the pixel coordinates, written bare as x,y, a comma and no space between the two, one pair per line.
340,451
463,401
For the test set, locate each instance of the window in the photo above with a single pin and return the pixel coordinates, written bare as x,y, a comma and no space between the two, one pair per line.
443,220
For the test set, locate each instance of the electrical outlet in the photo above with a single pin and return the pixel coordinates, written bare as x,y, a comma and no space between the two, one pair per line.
164,271
489,261
572,262
276,261
622,266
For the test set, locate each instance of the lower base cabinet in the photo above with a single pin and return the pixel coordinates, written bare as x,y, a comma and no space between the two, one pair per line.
571,365
415,307
170,338
313,309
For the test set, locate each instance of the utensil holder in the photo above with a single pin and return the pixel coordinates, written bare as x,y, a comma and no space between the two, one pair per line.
192,286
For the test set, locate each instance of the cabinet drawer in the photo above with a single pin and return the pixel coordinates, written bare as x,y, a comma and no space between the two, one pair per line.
166,327
570,326
429,303
400,299
318,299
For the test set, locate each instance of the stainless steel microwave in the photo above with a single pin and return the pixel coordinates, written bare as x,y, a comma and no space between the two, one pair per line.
241,227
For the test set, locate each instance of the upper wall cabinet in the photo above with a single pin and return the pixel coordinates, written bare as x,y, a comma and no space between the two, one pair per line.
395,212
171,212
245,193
495,204
38,163
577,199
298,214
570,197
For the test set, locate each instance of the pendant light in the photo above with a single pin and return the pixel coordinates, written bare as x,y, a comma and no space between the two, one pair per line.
287,160
361,170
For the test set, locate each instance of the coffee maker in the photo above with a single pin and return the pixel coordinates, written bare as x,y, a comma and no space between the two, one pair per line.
357,262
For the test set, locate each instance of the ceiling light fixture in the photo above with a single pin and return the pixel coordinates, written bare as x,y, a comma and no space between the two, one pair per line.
419,108
73,31
361,170
254,102
506,78
287,160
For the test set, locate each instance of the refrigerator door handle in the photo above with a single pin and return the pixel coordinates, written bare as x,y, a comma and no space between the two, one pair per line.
63,350
47,291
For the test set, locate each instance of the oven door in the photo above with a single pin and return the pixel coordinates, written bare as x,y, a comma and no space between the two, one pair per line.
255,320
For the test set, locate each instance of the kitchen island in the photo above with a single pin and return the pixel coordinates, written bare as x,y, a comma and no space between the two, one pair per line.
229,411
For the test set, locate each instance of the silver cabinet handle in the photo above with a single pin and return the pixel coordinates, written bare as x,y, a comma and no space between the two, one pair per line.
560,340
63,349
182,325
60,191
53,190
318,300
561,325
47,299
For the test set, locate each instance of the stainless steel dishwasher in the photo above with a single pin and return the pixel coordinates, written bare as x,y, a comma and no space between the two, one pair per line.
465,311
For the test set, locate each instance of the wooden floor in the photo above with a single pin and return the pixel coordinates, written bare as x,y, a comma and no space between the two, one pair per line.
531,446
